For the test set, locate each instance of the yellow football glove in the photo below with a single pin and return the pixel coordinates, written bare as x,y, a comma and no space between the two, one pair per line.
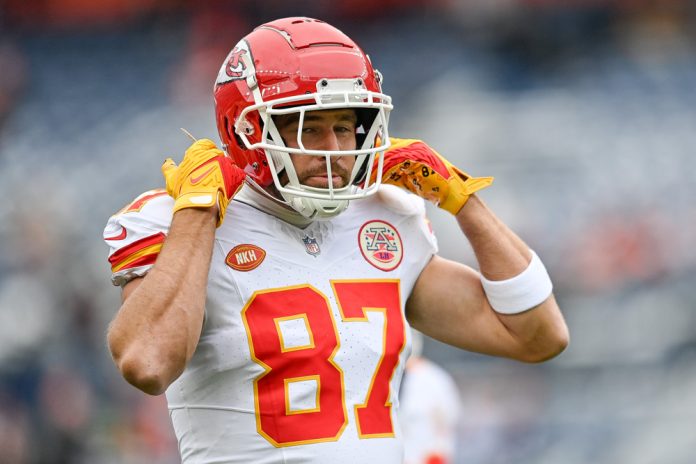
413,165
206,176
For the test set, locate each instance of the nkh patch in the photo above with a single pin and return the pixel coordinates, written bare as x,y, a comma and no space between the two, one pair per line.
380,244
245,257
311,245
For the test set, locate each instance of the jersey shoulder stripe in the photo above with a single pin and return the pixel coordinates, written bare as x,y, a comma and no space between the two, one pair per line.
136,233
141,200
138,253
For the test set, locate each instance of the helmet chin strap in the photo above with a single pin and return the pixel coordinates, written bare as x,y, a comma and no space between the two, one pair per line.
313,208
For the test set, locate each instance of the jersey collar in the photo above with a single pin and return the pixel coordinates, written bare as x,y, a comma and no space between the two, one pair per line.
255,196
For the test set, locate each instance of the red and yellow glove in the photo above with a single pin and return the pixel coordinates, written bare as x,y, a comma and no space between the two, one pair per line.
205,177
413,165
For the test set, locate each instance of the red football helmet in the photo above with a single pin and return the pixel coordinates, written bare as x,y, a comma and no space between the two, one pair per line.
296,65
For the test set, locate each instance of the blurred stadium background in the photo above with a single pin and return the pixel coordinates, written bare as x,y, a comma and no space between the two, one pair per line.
583,110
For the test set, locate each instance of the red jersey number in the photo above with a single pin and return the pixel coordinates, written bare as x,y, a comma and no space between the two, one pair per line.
312,362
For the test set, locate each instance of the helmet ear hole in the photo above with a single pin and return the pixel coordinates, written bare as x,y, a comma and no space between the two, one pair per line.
230,135
246,125
240,144
366,117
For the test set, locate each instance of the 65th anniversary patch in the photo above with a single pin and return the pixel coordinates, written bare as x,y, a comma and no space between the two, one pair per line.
380,244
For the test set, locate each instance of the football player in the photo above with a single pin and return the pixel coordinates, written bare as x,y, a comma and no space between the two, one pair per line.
269,288
429,408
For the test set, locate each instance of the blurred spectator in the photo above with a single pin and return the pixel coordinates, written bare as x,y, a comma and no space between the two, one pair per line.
66,403
214,25
82,15
15,431
13,77
618,249
654,31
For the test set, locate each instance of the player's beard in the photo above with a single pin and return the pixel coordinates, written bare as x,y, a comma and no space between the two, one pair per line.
311,177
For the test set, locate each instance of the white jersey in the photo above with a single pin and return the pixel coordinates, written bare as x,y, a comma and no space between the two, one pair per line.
304,340
429,413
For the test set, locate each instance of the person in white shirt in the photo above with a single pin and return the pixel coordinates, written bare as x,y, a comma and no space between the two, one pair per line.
429,409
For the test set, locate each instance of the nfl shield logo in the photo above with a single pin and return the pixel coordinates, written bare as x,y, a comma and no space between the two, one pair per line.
311,245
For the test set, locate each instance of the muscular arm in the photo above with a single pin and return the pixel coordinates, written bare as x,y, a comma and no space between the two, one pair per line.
156,330
448,302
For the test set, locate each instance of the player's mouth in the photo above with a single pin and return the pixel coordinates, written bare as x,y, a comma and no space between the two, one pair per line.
322,181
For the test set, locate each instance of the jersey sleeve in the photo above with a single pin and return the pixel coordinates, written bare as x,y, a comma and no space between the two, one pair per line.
135,235
428,233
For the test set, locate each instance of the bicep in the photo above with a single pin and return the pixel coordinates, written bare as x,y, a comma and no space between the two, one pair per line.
130,287
448,303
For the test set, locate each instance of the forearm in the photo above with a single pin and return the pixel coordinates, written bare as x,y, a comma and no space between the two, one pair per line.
500,253
541,332
158,325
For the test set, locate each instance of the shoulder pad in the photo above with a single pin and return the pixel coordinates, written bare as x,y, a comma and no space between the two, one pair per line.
401,201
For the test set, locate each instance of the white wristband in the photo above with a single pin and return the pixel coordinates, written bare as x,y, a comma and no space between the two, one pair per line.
522,292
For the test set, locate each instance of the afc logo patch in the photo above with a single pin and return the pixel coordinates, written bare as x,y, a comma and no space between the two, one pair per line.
380,245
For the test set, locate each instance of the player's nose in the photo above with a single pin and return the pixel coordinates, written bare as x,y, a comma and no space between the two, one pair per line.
329,141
